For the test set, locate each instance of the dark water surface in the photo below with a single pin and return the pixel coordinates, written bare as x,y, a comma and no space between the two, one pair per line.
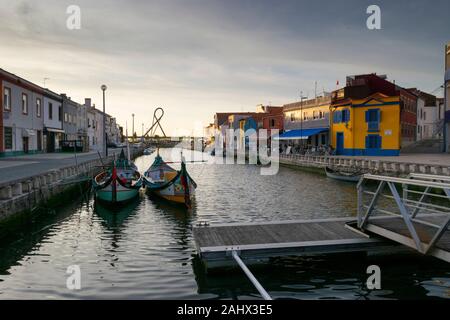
146,250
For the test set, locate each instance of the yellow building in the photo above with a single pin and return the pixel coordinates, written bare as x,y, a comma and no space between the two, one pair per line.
366,127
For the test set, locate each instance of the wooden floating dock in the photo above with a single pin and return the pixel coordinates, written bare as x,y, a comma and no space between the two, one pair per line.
260,241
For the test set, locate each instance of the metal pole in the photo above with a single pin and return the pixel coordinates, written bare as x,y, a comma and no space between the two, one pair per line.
251,277
105,142
132,128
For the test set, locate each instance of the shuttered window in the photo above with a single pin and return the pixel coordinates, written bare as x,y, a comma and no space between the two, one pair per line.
373,119
373,141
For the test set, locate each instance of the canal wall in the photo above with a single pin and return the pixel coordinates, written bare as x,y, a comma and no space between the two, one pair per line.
374,166
25,195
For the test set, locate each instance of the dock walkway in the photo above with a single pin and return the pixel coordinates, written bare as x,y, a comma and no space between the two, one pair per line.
260,241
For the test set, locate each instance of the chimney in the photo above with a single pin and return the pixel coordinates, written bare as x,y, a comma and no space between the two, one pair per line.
87,102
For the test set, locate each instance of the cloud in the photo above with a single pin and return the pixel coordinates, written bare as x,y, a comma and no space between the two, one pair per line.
198,57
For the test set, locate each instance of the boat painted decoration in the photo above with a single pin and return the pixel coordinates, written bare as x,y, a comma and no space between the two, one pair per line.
170,184
118,184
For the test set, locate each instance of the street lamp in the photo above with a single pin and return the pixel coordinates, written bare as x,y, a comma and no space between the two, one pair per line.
105,138
132,128
301,114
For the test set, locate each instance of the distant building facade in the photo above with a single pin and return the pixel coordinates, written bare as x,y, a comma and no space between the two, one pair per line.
21,116
363,86
301,117
366,127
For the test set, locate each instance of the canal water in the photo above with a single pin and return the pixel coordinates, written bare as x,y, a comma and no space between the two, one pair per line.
146,250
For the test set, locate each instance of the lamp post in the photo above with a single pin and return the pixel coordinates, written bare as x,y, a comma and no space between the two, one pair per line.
301,113
132,128
105,142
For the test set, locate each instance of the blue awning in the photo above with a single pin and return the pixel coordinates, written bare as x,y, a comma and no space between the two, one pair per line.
300,134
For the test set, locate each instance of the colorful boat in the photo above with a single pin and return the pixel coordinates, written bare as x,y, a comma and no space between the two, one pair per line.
118,184
168,183
343,175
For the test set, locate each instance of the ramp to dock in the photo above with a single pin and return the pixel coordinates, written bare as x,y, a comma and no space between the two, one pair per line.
416,211
260,241
395,229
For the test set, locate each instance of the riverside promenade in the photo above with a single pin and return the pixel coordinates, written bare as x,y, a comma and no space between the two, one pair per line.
396,166
27,181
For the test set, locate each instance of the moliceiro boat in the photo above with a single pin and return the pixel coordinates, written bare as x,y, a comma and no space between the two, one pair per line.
350,176
170,184
118,184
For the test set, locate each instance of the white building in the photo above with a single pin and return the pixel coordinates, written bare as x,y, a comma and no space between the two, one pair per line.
21,119
53,121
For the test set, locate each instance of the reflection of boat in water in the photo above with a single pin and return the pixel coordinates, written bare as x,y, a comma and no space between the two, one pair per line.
168,183
114,217
118,184
350,176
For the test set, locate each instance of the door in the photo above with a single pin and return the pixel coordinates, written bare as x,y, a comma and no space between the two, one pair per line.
339,143
25,144
50,142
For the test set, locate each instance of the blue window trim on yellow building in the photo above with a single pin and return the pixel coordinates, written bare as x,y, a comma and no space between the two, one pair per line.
340,116
373,119
373,141
370,152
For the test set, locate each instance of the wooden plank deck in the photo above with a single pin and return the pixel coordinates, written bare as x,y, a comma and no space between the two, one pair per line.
394,228
273,239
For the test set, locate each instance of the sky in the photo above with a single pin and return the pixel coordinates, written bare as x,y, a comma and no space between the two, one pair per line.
197,57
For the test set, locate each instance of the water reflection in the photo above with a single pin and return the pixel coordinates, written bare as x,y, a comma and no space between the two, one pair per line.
145,250
114,217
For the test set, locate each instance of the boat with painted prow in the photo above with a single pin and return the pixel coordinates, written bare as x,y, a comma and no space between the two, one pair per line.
118,184
343,175
170,184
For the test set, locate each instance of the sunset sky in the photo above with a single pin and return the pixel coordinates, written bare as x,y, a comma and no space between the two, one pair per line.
195,58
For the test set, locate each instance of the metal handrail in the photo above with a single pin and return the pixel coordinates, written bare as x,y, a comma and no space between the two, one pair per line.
408,208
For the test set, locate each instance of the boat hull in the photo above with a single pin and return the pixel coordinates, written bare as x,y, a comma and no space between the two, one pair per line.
337,176
121,195
173,193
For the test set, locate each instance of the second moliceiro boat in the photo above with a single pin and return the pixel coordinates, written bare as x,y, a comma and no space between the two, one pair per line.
118,184
168,183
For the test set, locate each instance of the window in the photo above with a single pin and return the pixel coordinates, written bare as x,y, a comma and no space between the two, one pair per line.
89,123
50,110
272,123
345,115
425,116
373,141
373,118
59,113
24,103
315,115
305,115
7,99
38,108
8,138
337,116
